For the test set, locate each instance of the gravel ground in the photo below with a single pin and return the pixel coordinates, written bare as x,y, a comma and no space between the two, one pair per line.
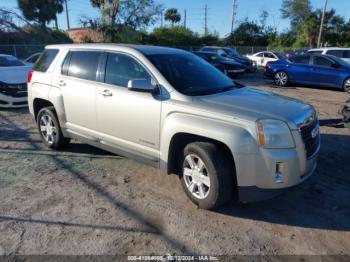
87,201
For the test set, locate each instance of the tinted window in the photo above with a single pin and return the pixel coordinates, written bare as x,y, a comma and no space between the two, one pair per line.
191,75
303,59
337,53
9,60
269,55
207,49
260,54
83,64
346,54
45,60
315,52
321,61
122,68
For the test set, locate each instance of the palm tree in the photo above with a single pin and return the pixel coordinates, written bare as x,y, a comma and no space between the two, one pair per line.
172,15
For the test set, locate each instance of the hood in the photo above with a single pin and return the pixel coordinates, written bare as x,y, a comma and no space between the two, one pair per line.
253,104
14,74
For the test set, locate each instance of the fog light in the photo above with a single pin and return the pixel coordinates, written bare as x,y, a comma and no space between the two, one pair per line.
279,173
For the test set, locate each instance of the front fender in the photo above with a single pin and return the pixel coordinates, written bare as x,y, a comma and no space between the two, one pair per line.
237,136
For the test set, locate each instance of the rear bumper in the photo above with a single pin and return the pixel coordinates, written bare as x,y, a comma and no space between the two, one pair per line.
13,102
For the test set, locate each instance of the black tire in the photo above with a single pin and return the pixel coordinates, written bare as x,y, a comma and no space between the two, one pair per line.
281,79
58,141
346,85
219,170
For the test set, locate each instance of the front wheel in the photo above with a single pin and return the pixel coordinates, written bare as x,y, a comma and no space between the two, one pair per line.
280,78
346,85
50,129
207,175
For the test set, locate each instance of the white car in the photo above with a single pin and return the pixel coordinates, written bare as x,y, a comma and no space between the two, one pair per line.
261,58
32,59
343,53
13,82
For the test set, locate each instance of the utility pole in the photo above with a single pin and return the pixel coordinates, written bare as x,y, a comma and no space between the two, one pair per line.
206,20
161,19
234,12
67,14
322,22
185,17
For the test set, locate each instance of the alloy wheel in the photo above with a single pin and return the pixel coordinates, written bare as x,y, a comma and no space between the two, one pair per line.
347,85
196,176
281,78
48,129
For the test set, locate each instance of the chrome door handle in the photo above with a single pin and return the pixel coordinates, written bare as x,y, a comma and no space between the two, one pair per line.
106,92
61,83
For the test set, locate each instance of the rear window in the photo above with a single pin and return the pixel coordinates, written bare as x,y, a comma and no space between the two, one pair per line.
7,61
45,60
315,52
84,64
303,59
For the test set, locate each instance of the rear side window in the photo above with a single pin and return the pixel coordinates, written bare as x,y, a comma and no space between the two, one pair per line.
45,60
321,61
346,54
303,59
84,64
337,53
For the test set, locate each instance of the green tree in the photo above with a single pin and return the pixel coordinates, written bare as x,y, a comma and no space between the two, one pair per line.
108,9
172,15
41,11
296,10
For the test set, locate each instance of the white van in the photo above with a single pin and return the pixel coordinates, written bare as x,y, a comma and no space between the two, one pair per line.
343,53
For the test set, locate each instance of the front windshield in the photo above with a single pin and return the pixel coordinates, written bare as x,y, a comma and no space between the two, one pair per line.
191,75
232,52
6,61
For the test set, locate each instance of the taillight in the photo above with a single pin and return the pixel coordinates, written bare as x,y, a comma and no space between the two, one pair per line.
30,74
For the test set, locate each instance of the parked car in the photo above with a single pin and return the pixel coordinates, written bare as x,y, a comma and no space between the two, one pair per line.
32,59
343,53
310,69
262,58
227,66
233,54
295,52
169,108
13,82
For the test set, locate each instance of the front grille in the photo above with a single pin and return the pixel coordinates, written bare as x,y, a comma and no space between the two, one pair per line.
14,90
311,143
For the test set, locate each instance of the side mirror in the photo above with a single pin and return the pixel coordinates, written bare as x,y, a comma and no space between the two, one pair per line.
336,65
141,85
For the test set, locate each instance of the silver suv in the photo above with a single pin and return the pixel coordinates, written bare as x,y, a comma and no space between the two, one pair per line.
173,110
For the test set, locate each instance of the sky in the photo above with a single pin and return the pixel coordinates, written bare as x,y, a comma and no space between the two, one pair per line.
219,12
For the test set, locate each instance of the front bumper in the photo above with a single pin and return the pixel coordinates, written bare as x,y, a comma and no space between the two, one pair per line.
12,102
260,176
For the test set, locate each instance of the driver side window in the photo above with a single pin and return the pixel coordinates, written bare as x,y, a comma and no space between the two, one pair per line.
122,68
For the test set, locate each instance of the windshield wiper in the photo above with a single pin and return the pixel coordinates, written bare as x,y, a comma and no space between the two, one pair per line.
211,91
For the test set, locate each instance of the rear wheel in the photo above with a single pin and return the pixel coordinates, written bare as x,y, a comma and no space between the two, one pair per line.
280,78
207,175
50,129
346,85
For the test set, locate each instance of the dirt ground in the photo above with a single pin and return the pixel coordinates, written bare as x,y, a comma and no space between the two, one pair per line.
87,201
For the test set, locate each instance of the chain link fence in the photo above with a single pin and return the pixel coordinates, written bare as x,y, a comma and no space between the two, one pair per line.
24,51
21,51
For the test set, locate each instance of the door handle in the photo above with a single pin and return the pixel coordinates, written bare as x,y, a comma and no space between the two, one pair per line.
106,92
61,83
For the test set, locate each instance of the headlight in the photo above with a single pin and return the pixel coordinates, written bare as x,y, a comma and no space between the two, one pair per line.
274,134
